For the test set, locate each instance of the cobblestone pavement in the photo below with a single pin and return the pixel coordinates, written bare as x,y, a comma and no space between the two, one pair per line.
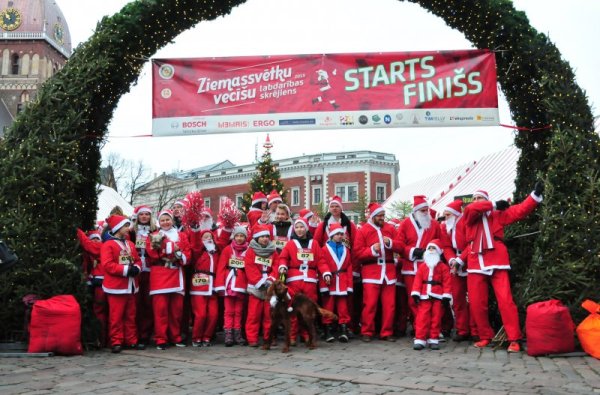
377,367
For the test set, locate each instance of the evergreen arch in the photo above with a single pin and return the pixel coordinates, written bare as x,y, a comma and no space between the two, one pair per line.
50,157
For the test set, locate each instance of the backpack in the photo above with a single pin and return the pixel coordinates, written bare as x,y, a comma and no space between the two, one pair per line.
7,257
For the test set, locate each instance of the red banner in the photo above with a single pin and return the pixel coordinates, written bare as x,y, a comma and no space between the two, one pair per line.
260,93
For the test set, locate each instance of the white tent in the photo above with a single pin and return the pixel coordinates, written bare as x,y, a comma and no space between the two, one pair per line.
109,198
494,173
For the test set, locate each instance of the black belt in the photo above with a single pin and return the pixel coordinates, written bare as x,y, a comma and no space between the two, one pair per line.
432,282
204,272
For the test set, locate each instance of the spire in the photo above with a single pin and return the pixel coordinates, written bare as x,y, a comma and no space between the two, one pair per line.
267,145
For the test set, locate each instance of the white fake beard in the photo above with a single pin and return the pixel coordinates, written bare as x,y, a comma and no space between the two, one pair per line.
431,259
450,222
209,245
424,219
206,224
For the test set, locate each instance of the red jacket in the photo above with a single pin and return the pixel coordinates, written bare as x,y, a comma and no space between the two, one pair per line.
321,234
302,264
484,233
340,270
376,267
115,257
411,236
454,243
256,272
432,283
91,256
205,270
166,275
231,272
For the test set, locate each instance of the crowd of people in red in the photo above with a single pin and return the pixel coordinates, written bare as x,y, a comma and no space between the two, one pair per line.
168,283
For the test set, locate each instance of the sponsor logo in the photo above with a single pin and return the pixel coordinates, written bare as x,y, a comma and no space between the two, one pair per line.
415,120
166,71
363,119
387,118
376,119
327,121
193,124
174,125
399,116
292,122
429,117
232,124
484,118
263,123
461,118
165,93
346,120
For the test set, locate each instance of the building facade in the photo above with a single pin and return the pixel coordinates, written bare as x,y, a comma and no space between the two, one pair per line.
310,181
34,45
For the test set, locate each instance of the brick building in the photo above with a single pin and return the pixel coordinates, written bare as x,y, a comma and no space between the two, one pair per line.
309,180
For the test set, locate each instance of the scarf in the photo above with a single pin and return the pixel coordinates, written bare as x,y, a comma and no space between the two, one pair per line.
261,251
483,237
238,249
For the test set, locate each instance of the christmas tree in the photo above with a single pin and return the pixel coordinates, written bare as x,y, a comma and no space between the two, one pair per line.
266,180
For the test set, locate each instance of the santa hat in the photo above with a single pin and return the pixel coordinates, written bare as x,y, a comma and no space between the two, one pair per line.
334,229
180,202
142,209
116,222
286,208
454,207
260,230
395,221
437,244
301,221
274,197
207,211
375,209
336,200
482,193
305,213
202,232
166,212
239,229
258,197
419,201
94,234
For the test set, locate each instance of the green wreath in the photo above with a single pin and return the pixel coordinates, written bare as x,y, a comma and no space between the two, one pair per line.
50,158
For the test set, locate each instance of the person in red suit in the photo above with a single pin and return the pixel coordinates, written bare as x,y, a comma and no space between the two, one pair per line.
260,265
488,261
167,285
414,233
402,312
301,260
452,237
336,281
373,252
257,209
232,283
121,265
431,289
312,220
91,245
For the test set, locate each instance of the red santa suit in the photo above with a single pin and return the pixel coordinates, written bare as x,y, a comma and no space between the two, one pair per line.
378,273
167,284
412,235
488,261
119,260
402,310
260,271
255,211
432,284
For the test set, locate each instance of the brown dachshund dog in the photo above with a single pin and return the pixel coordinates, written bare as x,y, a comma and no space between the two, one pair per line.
305,309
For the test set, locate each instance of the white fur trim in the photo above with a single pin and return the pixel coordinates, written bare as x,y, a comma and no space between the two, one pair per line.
377,211
261,233
120,225
451,210
536,198
420,206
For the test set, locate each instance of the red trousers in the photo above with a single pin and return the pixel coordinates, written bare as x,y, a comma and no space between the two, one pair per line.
409,280
338,304
429,321
308,289
463,321
477,285
167,317
234,311
402,311
259,315
206,313
121,319
100,308
372,295
145,319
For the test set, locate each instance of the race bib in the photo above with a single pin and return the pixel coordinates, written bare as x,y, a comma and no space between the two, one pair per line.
125,259
200,279
237,263
140,242
346,242
263,261
280,242
305,255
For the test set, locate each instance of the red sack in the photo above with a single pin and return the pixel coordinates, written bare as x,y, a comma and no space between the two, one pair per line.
56,326
549,328
588,330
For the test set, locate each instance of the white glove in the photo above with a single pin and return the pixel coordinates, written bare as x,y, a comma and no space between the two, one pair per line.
273,301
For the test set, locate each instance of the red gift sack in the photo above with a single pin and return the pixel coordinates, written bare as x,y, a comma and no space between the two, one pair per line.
588,330
55,326
550,328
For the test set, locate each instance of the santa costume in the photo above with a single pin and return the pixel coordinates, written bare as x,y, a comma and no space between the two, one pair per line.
258,206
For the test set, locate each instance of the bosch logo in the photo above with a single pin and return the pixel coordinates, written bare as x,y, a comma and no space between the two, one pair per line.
174,125
194,124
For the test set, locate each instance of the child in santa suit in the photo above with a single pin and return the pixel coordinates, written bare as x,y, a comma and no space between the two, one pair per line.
166,280
232,283
91,245
121,265
205,304
259,264
431,289
301,260
143,226
258,208
336,282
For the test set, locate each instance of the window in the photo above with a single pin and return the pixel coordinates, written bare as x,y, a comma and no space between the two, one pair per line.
239,199
295,196
14,64
348,192
380,194
207,202
316,195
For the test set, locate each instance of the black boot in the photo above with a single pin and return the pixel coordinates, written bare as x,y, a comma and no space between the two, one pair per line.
238,338
327,335
343,337
228,338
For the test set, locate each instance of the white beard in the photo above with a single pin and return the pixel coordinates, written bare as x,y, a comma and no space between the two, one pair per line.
431,259
424,219
206,224
450,223
209,245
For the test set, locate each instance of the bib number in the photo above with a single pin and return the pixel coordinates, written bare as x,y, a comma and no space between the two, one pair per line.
305,255
200,279
236,263
140,242
263,261
280,243
125,259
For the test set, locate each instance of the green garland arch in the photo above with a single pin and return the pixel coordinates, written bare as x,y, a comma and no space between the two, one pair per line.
50,158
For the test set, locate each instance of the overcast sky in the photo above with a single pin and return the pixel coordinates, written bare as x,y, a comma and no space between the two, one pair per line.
269,27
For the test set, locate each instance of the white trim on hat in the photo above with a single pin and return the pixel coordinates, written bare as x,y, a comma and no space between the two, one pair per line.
451,210
258,234
259,200
482,194
93,236
437,248
120,225
145,210
302,221
335,231
335,201
166,212
420,206
378,210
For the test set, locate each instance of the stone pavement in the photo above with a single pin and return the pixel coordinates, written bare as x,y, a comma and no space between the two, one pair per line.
377,367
